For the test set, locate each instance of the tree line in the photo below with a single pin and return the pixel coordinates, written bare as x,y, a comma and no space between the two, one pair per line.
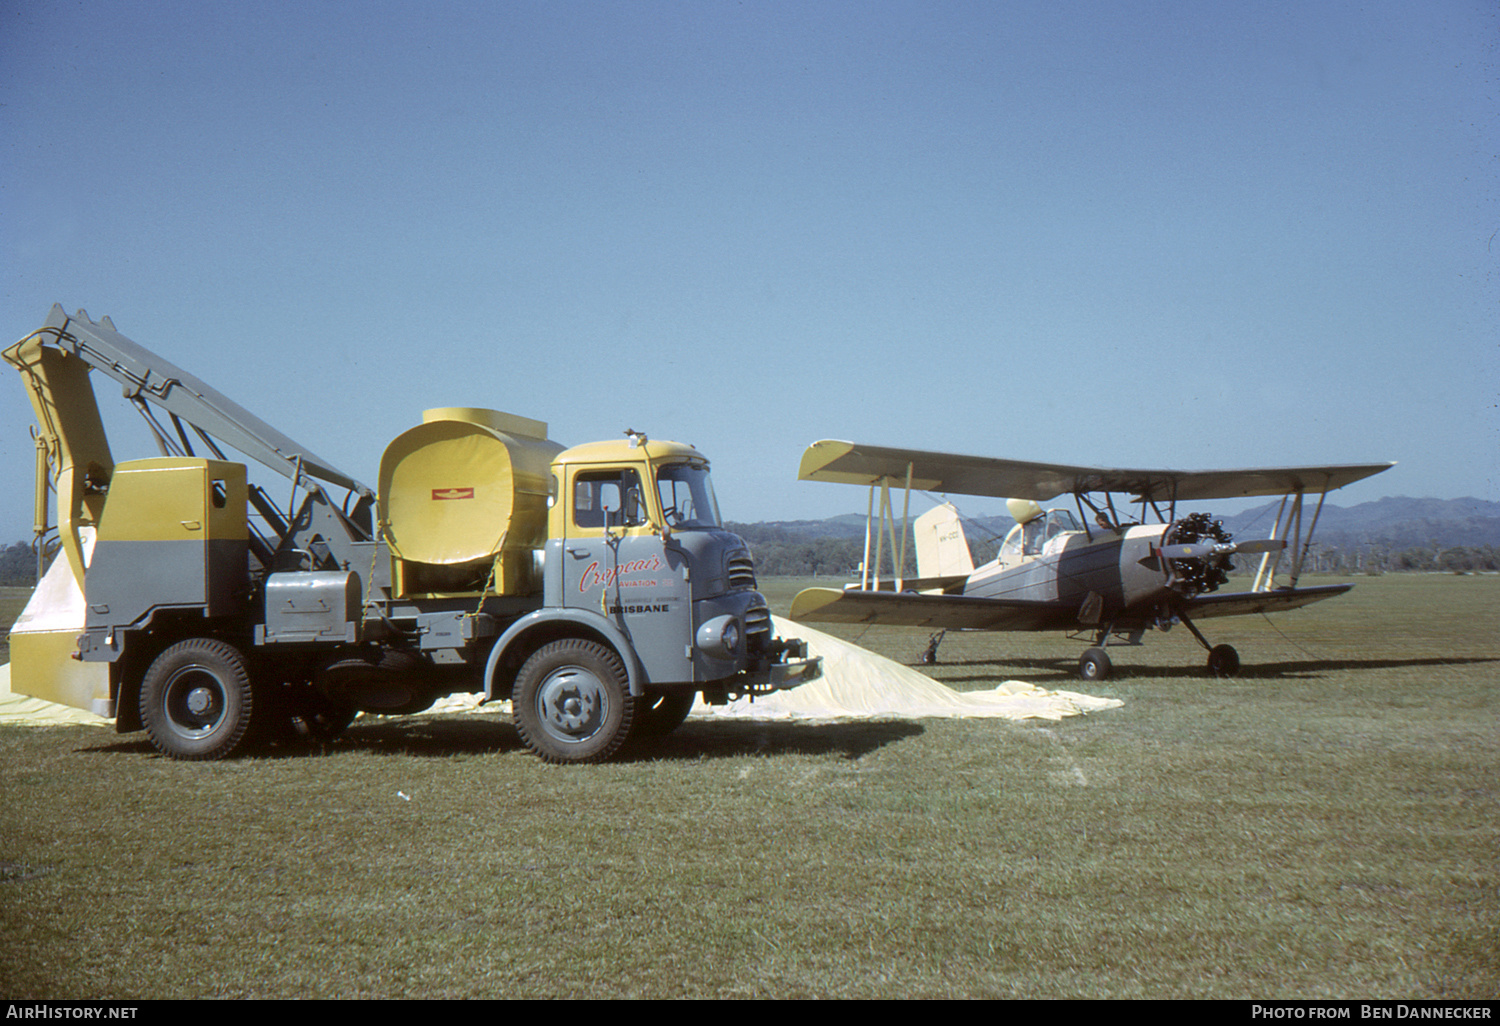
17,565
782,553
1374,558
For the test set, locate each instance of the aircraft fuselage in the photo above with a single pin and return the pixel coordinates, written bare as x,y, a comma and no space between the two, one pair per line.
1121,569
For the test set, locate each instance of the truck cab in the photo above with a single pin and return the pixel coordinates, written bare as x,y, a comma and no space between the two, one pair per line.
647,602
635,537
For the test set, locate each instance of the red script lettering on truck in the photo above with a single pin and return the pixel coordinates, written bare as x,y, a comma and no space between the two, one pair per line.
596,575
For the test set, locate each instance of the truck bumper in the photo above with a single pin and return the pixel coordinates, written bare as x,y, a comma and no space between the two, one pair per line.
790,667
790,674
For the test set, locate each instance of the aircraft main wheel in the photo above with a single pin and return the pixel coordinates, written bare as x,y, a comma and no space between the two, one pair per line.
661,712
197,700
1094,664
1223,661
571,702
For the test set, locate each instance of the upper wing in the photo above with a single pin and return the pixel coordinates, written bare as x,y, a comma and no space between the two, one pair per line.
909,609
848,463
1241,603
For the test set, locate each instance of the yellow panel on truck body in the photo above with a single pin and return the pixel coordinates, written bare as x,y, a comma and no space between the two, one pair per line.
462,491
173,498
173,534
44,639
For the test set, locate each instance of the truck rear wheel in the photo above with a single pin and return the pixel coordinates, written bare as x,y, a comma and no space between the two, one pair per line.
197,700
571,702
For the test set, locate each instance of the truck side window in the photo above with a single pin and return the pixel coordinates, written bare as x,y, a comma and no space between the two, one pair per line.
612,493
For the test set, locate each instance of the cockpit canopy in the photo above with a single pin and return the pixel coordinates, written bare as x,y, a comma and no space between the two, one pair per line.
1031,538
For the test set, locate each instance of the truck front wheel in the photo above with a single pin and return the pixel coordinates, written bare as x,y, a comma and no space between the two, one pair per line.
572,703
659,712
196,700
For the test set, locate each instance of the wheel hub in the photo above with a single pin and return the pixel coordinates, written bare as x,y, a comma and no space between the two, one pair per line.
200,701
572,704
194,701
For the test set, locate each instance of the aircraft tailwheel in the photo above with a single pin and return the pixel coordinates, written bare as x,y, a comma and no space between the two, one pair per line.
1223,661
929,657
1094,664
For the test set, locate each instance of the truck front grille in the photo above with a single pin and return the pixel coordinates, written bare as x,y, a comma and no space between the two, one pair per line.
741,572
757,628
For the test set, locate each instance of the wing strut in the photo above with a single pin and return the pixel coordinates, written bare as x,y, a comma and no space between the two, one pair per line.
1288,530
869,573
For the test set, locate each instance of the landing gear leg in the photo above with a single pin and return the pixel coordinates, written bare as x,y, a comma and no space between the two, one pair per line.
1223,660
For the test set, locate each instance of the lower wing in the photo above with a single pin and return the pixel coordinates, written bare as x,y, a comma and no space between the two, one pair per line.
909,609
1241,603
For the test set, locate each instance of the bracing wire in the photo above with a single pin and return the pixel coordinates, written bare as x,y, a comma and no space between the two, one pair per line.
1282,635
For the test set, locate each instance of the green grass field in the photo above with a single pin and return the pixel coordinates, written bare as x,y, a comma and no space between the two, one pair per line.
1324,826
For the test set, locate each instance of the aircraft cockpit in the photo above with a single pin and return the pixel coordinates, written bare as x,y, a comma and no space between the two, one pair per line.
1031,537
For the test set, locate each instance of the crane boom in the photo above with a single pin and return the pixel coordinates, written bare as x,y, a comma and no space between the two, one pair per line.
145,375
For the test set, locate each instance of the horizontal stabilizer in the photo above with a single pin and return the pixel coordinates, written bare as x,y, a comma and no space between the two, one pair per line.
927,584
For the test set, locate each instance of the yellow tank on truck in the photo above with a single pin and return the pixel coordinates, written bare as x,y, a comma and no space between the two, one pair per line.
463,502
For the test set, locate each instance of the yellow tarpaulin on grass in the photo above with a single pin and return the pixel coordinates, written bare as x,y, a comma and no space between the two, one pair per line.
858,684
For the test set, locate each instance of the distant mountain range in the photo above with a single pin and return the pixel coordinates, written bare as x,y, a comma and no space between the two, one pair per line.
1393,523
1390,523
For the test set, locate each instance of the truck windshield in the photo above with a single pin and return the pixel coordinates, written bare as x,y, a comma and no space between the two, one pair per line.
687,495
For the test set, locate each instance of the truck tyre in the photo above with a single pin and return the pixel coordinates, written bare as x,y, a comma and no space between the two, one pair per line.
660,712
571,702
197,700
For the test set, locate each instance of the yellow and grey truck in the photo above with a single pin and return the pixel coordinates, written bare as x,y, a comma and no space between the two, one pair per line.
594,587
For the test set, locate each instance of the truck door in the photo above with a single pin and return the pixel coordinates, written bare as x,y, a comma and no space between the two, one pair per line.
615,563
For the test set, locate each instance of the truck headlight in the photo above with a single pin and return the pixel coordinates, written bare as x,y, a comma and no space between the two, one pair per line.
720,637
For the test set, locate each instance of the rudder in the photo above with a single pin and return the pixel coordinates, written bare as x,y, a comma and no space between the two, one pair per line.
942,549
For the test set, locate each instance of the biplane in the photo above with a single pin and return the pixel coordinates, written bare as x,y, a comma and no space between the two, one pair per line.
1098,572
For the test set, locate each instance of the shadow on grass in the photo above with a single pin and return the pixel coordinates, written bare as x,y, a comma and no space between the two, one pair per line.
427,736
1066,669
714,739
1319,667
449,736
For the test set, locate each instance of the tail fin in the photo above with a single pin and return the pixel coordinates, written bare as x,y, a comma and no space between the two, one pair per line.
942,550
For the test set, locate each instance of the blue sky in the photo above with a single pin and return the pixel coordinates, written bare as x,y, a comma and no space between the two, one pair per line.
1190,235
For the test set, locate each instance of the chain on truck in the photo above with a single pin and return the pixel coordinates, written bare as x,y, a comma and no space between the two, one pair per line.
593,586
